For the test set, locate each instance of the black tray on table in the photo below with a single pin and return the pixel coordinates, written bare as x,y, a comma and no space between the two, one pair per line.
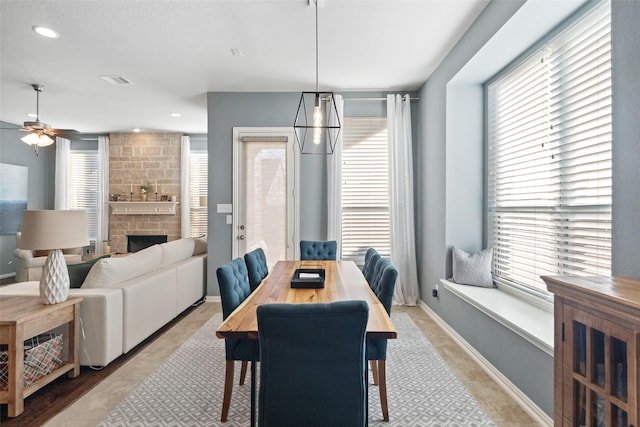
308,278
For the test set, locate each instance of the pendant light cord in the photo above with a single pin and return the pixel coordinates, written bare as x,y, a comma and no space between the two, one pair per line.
317,85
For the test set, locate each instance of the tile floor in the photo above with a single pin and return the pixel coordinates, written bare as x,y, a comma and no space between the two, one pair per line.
95,405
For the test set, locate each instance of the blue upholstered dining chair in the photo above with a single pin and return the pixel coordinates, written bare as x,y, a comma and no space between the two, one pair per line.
371,258
257,267
234,289
383,285
318,250
313,367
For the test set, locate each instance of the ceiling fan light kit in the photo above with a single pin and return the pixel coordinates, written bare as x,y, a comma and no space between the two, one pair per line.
40,133
39,140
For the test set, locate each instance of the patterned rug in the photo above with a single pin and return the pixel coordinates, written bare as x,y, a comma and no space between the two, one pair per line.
187,389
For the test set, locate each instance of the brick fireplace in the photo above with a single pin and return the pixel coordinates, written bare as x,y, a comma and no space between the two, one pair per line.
137,159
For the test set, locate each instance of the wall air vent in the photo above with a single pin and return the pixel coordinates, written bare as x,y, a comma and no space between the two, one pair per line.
117,80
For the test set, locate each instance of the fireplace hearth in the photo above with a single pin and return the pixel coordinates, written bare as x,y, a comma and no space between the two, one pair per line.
136,243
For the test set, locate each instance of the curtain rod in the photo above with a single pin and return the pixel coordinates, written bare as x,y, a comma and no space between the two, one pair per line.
372,99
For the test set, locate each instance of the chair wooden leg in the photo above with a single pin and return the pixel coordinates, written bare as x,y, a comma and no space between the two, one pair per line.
228,388
374,371
243,372
382,380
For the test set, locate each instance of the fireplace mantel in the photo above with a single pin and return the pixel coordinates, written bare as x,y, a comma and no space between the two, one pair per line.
143,208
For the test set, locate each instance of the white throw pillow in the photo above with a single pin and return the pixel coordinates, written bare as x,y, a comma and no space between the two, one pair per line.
176,251
200,245
473,269
109,272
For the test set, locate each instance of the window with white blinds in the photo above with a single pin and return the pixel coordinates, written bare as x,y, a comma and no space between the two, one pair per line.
365,188
549,157
84,166
198,167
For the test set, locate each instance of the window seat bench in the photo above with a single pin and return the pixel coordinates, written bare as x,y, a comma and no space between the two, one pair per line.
530,320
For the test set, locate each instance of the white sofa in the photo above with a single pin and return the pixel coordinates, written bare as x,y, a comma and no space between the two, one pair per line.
126,299
29,264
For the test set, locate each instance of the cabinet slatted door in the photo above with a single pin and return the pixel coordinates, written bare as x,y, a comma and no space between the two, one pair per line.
597,345
604,355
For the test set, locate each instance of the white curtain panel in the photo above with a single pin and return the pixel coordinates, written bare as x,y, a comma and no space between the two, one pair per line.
403,254
63,155
185,212
334,184
102,209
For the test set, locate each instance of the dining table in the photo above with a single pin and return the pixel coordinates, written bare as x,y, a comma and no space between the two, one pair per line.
343,281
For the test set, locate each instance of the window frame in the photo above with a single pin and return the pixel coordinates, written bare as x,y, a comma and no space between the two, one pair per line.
575,18
194,200
92,213
383,248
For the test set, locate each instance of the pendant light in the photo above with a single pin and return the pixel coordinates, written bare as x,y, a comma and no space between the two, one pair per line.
317,125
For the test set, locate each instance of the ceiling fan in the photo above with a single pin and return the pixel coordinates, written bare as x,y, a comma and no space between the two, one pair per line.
40,133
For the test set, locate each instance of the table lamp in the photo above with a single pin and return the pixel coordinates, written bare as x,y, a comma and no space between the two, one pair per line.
54,230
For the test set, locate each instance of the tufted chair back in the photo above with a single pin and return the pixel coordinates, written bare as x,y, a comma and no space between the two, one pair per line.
371,259
383,285
234,289
234,285
318,250
257,267
312,369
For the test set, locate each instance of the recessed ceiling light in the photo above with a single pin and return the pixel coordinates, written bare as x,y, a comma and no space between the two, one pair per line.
45,32
236,52
32,115
136,130
175,114
117,80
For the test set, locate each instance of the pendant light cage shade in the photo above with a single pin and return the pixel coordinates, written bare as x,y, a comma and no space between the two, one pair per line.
317,124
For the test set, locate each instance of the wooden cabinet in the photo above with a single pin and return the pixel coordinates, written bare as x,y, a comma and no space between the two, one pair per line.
597,343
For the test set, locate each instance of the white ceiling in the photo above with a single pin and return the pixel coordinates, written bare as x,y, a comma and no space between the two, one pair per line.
175,51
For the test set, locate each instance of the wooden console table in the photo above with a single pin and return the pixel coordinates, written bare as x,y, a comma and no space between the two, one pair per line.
23,317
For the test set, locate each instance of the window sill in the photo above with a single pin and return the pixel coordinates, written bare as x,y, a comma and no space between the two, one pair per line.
531,321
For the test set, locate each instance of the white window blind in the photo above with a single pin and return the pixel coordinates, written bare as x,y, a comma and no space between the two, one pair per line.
365,188
198,166
83,185
549,158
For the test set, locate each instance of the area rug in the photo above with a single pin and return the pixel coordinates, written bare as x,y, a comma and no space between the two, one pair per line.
187,389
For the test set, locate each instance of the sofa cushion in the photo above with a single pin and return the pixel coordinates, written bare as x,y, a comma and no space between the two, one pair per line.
109,272
176,251
78,272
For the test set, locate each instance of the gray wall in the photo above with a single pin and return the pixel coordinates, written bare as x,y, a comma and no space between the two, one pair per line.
227,110
41,182
625,16
450,183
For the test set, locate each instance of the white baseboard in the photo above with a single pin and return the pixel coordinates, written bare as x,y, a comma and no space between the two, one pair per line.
213,298
522,399
7,275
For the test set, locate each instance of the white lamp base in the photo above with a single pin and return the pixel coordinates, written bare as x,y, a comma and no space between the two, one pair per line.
54,282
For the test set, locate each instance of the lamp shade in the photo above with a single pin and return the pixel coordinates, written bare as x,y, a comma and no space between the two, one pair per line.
54,229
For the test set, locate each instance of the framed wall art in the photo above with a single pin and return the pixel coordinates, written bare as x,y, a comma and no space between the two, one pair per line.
13,197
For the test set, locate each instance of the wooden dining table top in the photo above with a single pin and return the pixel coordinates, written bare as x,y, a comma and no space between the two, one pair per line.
343,282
